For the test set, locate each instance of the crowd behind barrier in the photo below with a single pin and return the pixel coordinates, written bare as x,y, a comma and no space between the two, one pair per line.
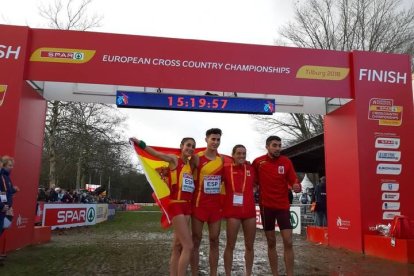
60,199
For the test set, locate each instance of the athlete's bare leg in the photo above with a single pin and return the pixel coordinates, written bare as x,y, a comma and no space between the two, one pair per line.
197,234
288,250
183,235
271,251
175,255
213,234
249,231
232,229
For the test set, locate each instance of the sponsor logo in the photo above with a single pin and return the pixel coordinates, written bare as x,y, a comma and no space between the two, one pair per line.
390,206
294,219
390,187
91,214
390,196
9,52
62,55
122,99
383,76
390,156
269,107
71,216
100,212
3,89
342,223
393,169
390,215
21,222
387,143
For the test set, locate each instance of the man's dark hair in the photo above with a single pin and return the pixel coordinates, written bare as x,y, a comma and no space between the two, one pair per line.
272,138
213,131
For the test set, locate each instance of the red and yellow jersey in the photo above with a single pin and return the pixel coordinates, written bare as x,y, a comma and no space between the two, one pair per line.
208,178
239,199
181,182
274,176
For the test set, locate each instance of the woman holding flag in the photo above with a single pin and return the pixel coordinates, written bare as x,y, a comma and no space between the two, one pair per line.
239,207
181,184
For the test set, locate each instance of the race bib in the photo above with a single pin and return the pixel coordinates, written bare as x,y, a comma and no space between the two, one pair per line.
212,184
188,183
3,198
237,199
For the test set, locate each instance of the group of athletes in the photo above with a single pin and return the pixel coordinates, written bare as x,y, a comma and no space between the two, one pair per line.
197,183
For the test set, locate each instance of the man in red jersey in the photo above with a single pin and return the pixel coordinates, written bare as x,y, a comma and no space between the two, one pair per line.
275,173
207,200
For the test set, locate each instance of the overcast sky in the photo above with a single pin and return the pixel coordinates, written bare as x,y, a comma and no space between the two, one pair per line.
244,21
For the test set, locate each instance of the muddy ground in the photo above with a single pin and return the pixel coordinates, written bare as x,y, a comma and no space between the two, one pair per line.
135,250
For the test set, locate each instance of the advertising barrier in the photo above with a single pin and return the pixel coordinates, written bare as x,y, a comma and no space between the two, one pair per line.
73,215
295,220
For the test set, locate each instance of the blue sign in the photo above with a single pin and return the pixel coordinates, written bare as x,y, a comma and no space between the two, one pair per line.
195,103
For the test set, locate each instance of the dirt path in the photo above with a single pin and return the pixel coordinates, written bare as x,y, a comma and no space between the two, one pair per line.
111,249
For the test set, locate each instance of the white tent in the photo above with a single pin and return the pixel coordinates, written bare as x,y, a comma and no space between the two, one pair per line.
306,184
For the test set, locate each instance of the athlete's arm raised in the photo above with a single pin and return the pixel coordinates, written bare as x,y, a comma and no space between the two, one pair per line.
170,158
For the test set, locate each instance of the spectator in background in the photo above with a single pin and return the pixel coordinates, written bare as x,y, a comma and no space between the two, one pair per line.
305,198
320,199
41,194
7,190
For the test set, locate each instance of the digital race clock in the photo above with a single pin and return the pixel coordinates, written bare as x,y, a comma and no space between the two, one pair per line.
194,103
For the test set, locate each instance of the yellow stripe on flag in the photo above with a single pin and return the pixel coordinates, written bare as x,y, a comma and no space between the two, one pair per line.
160,188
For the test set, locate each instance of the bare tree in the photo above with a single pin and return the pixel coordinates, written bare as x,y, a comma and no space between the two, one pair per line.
70,15
345,25
296,126
63,15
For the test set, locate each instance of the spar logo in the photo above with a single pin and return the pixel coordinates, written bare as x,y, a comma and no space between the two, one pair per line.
91,214
294,219
62,55
71,216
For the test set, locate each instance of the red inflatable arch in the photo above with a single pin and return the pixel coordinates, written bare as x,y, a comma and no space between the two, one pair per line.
368,141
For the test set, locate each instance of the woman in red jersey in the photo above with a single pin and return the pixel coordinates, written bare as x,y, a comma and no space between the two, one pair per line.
180,176
239,208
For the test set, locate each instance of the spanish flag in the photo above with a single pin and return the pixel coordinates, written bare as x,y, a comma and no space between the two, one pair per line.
156,172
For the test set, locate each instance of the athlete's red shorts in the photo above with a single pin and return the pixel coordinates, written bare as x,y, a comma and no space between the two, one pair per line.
207,214
179,208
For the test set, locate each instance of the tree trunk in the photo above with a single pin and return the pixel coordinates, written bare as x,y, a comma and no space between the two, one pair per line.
52,143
